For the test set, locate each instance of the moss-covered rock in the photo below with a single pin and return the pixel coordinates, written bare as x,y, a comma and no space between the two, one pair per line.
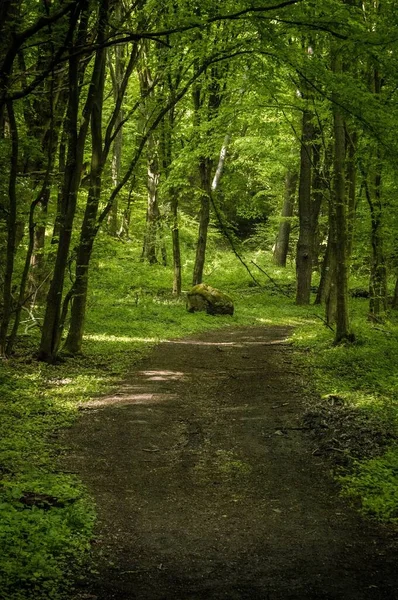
203,297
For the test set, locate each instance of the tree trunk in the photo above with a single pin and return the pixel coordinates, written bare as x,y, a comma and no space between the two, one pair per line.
117,79
11,232
88,232
153,215
114,228
37,261
395,298
61,175
27,265
175,234
378,271
152,237
204,219
306,235
207,112
342,332
326,274
352,141
318,196
53,323
327,291
282,241
51,333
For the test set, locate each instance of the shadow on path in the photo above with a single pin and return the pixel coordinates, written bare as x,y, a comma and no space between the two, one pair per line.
207,488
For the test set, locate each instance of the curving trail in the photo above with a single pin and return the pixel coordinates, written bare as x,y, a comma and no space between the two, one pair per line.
207,487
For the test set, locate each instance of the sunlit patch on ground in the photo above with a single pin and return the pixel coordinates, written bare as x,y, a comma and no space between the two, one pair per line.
226,344
126,398
162,375
125,339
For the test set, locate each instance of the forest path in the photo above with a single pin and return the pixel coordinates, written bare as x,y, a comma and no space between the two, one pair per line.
207,487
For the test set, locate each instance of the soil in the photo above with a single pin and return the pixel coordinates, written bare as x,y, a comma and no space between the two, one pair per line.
207,484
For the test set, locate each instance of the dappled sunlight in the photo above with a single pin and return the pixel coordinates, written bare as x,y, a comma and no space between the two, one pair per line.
124,339
241,344
163,375
126,398
187,342
286,320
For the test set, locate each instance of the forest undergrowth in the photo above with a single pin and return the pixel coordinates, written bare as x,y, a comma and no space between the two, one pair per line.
46,516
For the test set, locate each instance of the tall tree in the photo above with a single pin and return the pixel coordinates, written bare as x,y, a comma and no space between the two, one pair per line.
339,213
282,241
52,324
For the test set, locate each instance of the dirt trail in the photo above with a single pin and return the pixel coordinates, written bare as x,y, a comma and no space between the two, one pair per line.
207,487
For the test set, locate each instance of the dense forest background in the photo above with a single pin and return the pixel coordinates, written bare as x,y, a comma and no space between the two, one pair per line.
146,147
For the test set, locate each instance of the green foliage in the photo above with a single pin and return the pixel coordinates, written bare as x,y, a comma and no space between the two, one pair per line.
364,377
39,546
39,543
375,484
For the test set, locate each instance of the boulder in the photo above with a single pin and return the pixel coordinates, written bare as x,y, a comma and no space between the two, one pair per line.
203,297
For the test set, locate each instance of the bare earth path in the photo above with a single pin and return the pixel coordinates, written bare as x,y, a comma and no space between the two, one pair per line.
207,487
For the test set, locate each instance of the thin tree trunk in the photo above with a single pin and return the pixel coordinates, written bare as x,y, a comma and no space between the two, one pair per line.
306,235
204,219
352,141
53,325
221,163
117,79
395,298
175,234
11,232
282,241
28,260
342,332
378,271
152,237
326,274
214,97
79,290
37,261
51,333
114,228
153,215
318,195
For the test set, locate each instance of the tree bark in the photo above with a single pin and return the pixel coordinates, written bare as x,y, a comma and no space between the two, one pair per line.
326,273
306,236
318,195
149,252
204,219
167,154
117,80
282,241
11,232
395,297
52,325
378,270
340,245
79,290
352,141
175,235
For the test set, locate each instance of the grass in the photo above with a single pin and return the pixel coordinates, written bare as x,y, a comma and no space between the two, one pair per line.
364,377
130,309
